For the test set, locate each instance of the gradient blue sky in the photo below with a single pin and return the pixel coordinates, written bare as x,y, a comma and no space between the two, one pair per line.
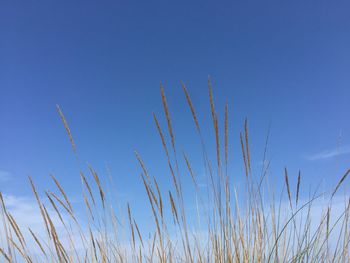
284,63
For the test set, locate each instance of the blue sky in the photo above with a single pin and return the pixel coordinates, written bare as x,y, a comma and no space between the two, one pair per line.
279,63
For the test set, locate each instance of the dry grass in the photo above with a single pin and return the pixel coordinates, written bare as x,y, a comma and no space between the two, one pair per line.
237,225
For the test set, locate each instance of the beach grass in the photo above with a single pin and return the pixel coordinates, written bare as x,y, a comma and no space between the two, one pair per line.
249,224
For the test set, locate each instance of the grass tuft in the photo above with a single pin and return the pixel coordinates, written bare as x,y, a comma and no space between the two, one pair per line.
232,223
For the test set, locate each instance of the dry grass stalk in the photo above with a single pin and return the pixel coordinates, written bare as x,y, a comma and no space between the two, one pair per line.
190,104
60,251
246,132
151,200
62,192
287,184
215,123
161,135
40,206
226,136
37,242
88,207
143,167
3,253
173,176
55,207
22,253
66,126
97,180
341,181
167,115
131,226
298,190
70,212
88,187
244,155
16,229
190,170
159,198
138,232
173,208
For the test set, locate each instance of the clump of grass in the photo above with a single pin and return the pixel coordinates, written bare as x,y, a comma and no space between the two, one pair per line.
239,225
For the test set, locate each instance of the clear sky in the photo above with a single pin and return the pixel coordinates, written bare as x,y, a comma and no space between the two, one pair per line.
279,63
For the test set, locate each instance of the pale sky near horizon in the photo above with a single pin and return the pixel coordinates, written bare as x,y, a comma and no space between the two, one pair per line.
283,64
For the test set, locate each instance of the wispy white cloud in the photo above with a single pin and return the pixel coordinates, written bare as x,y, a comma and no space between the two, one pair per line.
328,153
26,212
4,176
